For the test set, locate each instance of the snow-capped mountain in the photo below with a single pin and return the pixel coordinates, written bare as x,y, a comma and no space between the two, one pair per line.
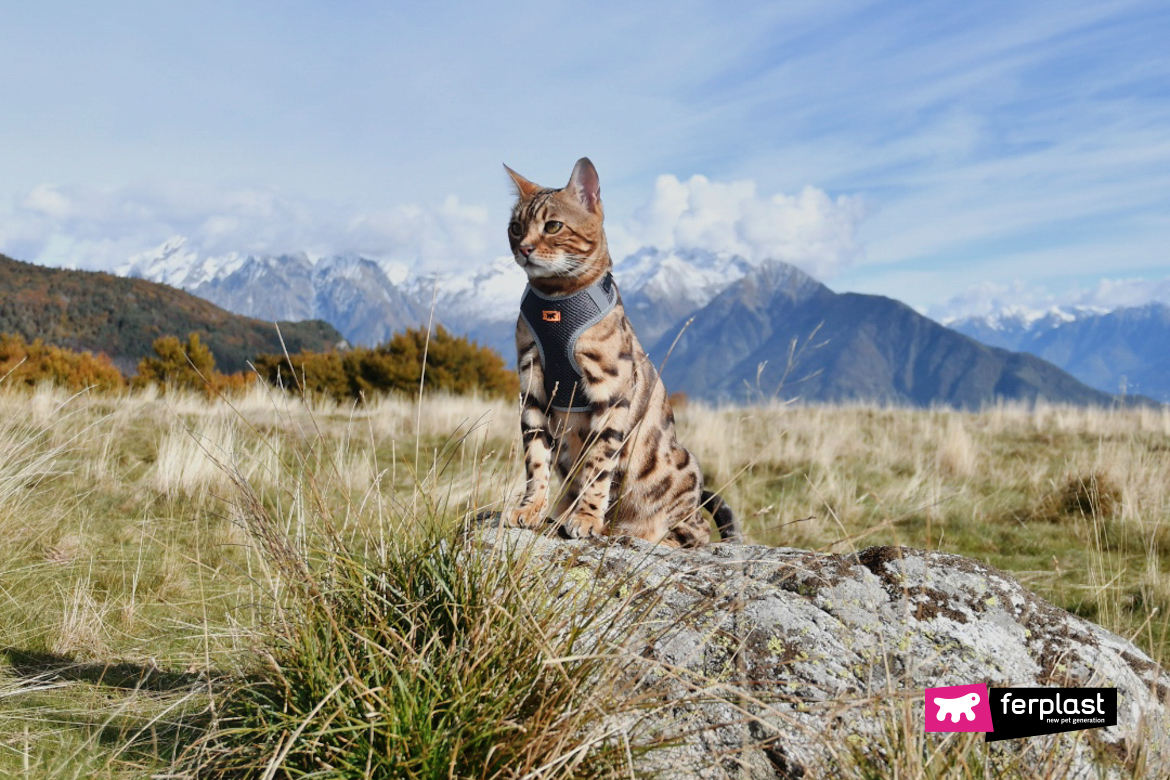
176,264
661,288
746,317
778,333
268,288
368,300
1124,350
1014,325
356,294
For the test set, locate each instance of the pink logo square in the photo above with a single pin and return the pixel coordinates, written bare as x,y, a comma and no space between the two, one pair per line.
958,708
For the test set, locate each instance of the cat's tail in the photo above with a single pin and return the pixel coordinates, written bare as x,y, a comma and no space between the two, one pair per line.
729,527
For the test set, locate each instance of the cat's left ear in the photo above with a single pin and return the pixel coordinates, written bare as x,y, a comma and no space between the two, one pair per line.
585,185
524,188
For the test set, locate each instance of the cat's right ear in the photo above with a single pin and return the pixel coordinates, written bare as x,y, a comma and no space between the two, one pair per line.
586,186
524,188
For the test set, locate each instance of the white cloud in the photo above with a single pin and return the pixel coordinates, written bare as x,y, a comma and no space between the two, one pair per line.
988,298
103,229
452,236
1111,293
809,229
992,298
47,200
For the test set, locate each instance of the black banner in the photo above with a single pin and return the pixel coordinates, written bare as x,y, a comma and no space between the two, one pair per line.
1029,712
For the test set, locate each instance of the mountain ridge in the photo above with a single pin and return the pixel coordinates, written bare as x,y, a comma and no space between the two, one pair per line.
772,335
1122,350
121,317
662,291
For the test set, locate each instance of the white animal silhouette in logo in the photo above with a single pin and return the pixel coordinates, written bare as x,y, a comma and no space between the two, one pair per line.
964,705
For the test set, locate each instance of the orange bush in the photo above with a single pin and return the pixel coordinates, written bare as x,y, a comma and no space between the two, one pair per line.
29,364
453,364
190,366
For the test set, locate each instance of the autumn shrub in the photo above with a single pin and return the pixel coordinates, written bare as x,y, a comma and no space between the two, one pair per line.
188,366
22,363
453,364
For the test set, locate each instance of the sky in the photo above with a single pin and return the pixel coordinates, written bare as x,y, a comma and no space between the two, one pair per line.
961,157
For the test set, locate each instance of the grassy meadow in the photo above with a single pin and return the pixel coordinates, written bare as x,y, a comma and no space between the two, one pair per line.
157,550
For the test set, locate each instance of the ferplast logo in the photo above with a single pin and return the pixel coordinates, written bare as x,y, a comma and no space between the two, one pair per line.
1010,713
958,708
1029,712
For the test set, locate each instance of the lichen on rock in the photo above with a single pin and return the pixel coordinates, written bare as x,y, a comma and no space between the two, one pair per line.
770,662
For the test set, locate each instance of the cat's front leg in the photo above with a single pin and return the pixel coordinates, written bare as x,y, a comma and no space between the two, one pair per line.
609,426
605,356
535,432
534,429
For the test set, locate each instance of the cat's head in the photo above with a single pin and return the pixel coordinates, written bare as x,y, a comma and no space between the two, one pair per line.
556,235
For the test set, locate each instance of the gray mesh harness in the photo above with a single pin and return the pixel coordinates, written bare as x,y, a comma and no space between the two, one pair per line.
556,322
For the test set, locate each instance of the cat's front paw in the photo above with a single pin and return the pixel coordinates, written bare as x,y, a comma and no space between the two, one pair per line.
529,516
581,526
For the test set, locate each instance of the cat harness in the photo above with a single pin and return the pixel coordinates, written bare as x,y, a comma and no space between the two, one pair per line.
556,322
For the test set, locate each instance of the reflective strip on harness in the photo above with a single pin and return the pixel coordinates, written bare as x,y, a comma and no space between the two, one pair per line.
556,323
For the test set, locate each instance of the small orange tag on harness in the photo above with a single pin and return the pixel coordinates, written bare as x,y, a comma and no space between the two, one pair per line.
551,316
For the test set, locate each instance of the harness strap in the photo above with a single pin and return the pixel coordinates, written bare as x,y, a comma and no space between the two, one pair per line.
556,322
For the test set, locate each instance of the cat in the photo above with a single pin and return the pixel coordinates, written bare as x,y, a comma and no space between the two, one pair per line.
592,403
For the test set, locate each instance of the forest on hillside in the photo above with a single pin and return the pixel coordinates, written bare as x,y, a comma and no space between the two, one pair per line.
122,318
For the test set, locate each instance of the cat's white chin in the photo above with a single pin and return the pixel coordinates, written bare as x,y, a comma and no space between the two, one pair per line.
535,269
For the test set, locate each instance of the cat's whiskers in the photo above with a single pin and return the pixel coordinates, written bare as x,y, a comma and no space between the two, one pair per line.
576,266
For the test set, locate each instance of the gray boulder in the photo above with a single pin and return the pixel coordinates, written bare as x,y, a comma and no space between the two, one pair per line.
762,662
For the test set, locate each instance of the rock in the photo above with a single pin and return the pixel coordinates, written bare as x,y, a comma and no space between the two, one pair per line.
784,663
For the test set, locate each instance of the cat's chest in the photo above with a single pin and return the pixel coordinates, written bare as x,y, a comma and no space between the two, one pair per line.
559,324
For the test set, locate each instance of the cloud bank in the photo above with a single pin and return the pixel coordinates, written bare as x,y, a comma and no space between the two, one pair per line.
96,229
990,298
809,229
103,229
108,229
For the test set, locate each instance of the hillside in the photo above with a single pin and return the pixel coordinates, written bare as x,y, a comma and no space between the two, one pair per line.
819,345
100,312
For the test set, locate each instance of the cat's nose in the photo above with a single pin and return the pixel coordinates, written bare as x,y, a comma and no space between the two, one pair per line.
526,250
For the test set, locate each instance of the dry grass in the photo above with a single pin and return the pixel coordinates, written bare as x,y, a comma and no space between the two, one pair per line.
125,542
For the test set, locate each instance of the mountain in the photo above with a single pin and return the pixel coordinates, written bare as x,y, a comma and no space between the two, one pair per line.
1011,327
352,293
779,333
368,300
660,288
100,312
847,347
355,294
1124,350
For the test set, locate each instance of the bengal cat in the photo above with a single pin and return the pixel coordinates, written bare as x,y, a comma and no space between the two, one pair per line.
592,402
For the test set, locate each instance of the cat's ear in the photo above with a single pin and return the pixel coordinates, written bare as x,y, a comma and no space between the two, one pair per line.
524,188
585,185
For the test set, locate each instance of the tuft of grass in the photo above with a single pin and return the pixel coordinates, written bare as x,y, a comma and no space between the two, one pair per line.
430,662
395,648
1094,495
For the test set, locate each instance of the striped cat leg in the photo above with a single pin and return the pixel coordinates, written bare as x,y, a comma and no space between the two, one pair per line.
537,468
609,426
536,434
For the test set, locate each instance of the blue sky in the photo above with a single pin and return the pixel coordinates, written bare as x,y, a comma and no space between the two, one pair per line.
956,156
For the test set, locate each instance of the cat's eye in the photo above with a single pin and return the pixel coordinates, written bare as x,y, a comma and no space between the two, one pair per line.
514,230
553,227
